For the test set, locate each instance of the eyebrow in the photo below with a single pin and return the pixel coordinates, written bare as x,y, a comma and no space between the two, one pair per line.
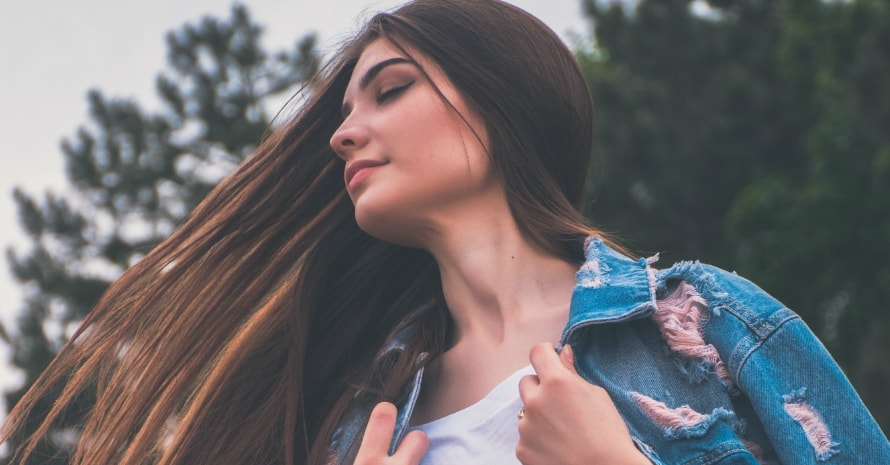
377,68
371,74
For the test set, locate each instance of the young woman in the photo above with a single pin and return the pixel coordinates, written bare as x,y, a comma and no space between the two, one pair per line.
401,275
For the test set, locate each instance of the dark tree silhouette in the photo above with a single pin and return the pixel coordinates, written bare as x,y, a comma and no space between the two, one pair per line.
754,137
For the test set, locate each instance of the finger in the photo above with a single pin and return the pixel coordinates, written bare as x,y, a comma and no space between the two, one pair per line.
567,356
526,384
545,360
413,446
378,433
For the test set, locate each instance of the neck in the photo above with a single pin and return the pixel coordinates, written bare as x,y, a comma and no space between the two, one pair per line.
501,287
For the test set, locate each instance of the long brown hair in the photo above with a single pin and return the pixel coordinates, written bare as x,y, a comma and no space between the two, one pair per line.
245,336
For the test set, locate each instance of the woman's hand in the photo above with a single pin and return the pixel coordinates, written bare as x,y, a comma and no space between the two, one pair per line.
374,449
567,420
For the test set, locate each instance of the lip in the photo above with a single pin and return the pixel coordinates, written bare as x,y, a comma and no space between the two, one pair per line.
353,168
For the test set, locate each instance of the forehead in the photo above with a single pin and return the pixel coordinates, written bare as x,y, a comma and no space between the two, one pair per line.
375,52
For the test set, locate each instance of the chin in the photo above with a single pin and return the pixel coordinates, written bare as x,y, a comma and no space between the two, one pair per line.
387,227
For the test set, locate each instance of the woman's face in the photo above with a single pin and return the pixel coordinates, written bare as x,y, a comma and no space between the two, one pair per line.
413,163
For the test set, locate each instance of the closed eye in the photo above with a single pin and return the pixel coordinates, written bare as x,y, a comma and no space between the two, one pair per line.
393,92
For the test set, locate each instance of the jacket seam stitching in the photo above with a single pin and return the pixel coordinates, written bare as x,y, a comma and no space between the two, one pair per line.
755,347
707,459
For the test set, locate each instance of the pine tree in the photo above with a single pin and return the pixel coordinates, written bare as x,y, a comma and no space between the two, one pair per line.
137,175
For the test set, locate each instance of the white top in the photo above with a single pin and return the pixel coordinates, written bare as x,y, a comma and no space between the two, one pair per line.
483,433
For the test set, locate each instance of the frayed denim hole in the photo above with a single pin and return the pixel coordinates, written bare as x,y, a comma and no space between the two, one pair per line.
814,427
680,317
683,421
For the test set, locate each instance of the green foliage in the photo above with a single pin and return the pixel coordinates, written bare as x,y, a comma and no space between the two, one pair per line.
754,136
138,174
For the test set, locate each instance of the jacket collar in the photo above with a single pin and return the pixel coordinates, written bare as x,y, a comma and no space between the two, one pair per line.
610,287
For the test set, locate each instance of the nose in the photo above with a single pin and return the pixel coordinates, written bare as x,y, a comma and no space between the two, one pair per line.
348,138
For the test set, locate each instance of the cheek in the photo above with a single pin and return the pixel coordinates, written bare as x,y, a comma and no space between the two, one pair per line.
448,149
439,141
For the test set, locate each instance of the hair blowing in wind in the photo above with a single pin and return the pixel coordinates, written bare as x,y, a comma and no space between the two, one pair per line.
245,335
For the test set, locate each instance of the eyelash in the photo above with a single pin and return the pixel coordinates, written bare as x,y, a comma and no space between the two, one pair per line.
395,91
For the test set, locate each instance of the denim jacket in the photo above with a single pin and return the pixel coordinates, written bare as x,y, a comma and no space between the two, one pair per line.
704,367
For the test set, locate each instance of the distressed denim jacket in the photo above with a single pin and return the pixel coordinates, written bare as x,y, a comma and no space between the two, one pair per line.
704,367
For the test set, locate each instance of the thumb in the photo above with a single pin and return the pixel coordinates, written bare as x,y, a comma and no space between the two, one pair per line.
413,446
567,355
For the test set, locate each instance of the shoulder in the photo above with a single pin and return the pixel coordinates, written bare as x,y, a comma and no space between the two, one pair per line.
724,290
612,287
739,317
640,282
